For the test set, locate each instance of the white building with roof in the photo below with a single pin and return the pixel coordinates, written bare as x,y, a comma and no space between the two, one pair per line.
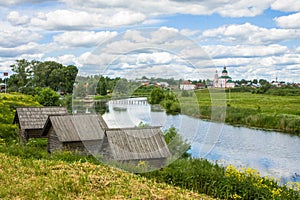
224,81
187,85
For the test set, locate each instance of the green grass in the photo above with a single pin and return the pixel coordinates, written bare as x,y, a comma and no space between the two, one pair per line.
280,113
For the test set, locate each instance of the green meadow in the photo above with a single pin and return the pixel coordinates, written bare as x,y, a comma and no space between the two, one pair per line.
265,111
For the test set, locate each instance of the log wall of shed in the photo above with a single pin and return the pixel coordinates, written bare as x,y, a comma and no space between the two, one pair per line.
53,142
84,147
105,149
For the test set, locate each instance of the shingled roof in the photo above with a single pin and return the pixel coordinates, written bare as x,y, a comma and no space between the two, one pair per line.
137,143
70,128
35,117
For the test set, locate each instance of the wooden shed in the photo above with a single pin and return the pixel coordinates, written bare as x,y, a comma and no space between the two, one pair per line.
132,145
82,133
31,120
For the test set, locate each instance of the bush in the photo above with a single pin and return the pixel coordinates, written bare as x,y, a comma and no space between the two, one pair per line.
47,97
177,146
156,96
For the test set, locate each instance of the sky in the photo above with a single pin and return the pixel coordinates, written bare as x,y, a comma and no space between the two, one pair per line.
189,39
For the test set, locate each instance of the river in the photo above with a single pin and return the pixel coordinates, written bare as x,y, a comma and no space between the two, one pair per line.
271,153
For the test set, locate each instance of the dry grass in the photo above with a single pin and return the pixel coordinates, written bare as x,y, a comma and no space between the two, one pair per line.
44,179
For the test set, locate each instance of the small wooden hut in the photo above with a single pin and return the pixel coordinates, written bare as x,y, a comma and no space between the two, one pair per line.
132,145
31,120
82,133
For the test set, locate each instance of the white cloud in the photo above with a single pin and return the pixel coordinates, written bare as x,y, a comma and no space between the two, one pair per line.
164,34
30,56
250,34
231,8
15,2
134,36
243,8
78,20
289,21
30,48
126,18
13,36
142,51
83,38
286,5
67,59
189,33
63,19
15,18
245,51
155,58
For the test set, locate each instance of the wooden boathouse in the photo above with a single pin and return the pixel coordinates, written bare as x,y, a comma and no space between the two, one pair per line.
132,145
82,133
31,120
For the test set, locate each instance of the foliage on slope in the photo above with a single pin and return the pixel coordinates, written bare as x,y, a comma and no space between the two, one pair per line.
8,104
224,183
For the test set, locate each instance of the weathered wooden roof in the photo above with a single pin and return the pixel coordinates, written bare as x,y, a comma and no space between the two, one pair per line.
70,128
35,117
137,143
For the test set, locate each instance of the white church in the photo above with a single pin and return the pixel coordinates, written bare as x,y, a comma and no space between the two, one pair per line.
224,81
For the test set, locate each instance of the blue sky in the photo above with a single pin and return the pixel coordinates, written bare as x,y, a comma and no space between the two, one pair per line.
181,39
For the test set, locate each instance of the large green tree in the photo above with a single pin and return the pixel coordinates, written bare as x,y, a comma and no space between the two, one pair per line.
102,86
21,77
31,74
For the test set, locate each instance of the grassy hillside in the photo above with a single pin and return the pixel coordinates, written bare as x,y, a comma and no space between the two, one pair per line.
47,179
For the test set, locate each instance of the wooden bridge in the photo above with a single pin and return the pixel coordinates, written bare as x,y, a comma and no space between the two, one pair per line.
135,101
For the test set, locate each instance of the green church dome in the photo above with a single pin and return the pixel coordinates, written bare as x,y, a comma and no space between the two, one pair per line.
224,71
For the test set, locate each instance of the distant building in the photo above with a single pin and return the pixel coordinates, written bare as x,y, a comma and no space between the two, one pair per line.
2,87
200,86
224,81
162,84
187,85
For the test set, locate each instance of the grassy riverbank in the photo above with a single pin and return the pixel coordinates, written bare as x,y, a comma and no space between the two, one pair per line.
271,112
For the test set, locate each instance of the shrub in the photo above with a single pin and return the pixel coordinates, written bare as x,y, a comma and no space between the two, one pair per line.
47,97
177,146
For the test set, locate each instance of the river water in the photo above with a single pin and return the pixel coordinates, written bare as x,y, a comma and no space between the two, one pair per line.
271,153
